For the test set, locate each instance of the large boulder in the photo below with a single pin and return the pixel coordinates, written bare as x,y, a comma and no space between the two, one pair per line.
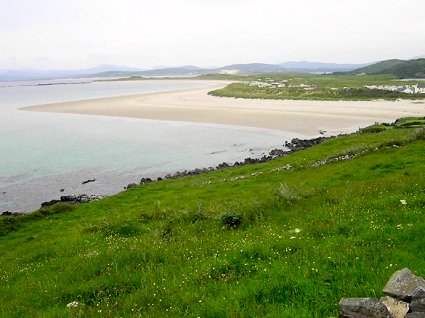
363,308
403,284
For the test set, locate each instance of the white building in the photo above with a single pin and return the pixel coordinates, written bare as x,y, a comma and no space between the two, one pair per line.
419,88
408,89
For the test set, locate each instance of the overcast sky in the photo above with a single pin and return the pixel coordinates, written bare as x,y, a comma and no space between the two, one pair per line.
69,34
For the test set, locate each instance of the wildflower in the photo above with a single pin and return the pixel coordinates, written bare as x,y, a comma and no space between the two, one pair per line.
73,304
404,202
297,230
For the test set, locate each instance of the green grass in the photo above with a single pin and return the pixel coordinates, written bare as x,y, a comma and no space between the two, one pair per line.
277,243
242,90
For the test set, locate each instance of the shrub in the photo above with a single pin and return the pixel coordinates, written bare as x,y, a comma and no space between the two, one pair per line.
376,128
125,229
419,134
231,220
287,194
197,216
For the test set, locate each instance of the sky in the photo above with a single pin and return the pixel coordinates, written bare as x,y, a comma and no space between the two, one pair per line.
72,34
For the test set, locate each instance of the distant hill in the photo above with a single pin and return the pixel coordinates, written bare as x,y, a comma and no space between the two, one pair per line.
250,68
188,70
400,68
170,71
319,67
35,74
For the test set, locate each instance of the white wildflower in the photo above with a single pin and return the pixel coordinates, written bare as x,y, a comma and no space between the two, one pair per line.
73,304
297,230
404,202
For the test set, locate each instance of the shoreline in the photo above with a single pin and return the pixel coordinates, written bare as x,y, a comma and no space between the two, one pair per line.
300,116
308,118
294,145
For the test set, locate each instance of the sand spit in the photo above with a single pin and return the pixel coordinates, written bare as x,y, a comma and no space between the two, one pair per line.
299,116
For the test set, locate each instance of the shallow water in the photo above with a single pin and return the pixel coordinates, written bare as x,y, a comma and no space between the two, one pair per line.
42,153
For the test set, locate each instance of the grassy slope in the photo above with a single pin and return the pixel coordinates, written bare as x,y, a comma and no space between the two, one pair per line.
162,249
399,68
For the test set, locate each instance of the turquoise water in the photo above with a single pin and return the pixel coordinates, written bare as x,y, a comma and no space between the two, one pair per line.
42,153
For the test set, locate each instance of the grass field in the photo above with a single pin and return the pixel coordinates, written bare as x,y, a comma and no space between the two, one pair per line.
324,87
254,241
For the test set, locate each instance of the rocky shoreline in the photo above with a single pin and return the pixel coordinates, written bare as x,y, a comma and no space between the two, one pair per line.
294,145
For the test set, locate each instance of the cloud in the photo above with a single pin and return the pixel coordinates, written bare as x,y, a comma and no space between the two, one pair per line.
69,33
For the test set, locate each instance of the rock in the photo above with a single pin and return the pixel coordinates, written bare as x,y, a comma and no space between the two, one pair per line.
69,198
159,179
419,293
287,167
61,190
301,144
223,165
8,213
145,180
295,145
277,153
89,180
415,315
397,308
334,159
403,284
72,199
418,300
405,298
49,203
250,161
363,308
238,178
131,185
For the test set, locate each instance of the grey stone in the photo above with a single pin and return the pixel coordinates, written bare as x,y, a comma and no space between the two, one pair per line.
415,315
418,300
397,308
363,308
418,305
419,293
403,284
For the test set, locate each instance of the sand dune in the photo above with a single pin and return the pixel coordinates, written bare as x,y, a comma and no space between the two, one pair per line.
305,117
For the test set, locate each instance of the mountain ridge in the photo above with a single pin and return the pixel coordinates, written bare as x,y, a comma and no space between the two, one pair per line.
414,68
107,70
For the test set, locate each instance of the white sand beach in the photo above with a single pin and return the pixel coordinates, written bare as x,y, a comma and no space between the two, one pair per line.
304,117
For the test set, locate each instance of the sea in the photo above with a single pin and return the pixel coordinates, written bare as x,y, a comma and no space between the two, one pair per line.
46,155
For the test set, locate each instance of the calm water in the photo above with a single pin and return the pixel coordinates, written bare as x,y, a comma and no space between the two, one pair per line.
41,153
